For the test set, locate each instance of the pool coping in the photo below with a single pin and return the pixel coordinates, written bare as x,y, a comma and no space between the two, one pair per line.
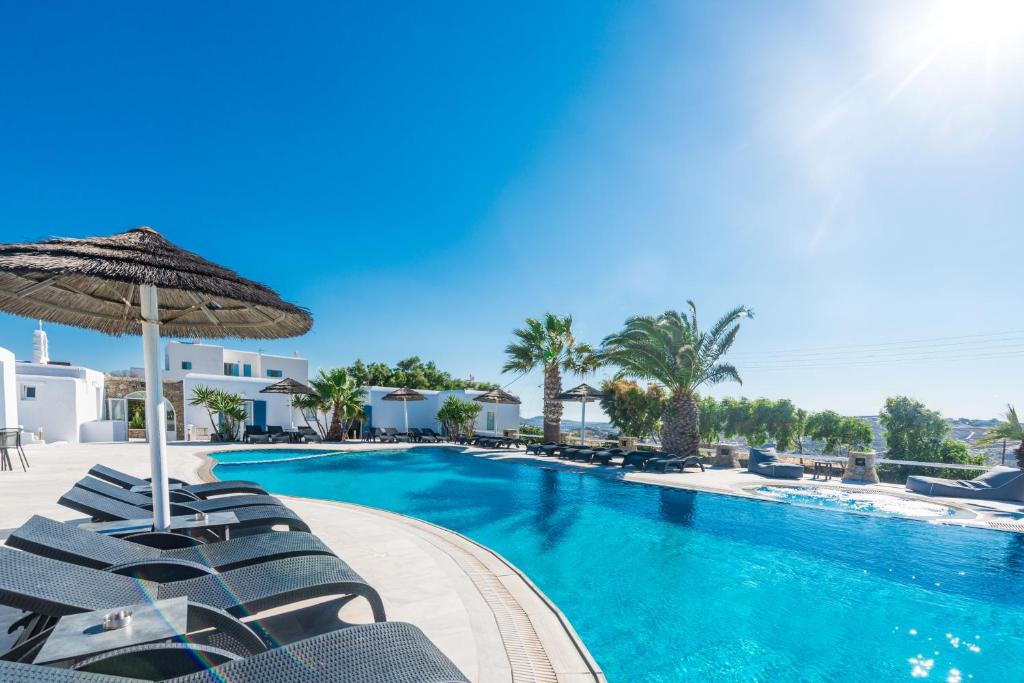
511,634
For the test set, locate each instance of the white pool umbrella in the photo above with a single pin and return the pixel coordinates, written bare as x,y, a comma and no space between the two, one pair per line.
137,282
584,394
496,397
404,395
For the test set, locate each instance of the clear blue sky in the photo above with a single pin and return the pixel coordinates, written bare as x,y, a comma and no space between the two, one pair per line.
424,176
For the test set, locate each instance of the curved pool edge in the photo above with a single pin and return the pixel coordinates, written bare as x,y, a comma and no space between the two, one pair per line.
539,641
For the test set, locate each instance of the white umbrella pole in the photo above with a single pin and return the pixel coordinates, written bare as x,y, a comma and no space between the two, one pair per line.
583,425
156,418
405,410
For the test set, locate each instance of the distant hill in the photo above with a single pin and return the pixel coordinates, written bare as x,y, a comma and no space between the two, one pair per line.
569,425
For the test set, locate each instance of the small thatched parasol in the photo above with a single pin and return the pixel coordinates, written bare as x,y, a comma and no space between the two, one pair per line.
404,395
137,282
583,394
292,388
497,396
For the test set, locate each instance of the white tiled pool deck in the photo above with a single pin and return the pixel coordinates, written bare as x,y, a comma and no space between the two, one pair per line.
484,614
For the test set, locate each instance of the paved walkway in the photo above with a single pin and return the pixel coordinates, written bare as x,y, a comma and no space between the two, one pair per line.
486,616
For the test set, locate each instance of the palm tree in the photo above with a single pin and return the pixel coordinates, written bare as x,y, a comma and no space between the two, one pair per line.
671,349
1011,430
550,344
342,394
312,404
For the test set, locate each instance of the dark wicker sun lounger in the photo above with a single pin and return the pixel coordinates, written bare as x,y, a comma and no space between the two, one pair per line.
103,509
214,488
68,543
390,434
392,652
605,457
209,505
430,432
54,588
538,447
255,434
584,454
663,464
639,458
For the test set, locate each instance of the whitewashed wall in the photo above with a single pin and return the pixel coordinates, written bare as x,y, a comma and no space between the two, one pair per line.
424,413
278,411
8,391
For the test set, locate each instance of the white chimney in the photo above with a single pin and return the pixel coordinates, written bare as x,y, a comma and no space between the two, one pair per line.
40,347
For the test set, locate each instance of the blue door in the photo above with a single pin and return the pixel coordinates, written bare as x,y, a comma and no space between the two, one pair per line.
259,414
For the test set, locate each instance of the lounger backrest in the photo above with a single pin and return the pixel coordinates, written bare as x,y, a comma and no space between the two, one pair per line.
276,429
54,588
101,507
116,492
116,476
68,543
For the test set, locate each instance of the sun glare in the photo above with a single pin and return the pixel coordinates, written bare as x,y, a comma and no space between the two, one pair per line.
977,24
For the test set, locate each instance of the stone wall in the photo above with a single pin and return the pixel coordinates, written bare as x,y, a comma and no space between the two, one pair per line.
119,387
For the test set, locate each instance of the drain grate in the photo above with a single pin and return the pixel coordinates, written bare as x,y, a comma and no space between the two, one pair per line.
526,655
1008,526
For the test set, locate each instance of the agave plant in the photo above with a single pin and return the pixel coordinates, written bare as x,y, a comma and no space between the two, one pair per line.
1011,430
671,349
550,344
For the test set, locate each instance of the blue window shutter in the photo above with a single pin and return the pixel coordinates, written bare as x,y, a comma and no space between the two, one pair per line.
259,413
247,370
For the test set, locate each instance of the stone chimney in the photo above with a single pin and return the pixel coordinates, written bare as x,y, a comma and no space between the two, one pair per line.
40,347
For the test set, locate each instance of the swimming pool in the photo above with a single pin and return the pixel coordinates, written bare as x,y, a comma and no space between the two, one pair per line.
852,500
667,585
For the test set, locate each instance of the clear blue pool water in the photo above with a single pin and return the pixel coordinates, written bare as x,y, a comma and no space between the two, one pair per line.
671,585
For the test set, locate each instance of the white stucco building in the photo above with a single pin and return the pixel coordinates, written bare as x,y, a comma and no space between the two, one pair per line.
53,401
239,372
493,419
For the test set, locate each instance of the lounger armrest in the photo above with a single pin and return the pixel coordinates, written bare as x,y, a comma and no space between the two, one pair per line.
163,540
163,570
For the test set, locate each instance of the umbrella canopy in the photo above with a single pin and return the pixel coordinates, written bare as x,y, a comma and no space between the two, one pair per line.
497,396
404,395
288,386
137,282
93,283
292,388
584,394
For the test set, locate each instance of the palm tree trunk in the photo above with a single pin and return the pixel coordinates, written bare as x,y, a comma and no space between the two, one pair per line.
552,406
680,425
335,433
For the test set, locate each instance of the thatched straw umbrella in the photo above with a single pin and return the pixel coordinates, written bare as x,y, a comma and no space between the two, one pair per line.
292,388
137,282
583,394
404,395
497,396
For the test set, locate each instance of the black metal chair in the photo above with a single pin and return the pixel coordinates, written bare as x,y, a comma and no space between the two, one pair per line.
10,439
